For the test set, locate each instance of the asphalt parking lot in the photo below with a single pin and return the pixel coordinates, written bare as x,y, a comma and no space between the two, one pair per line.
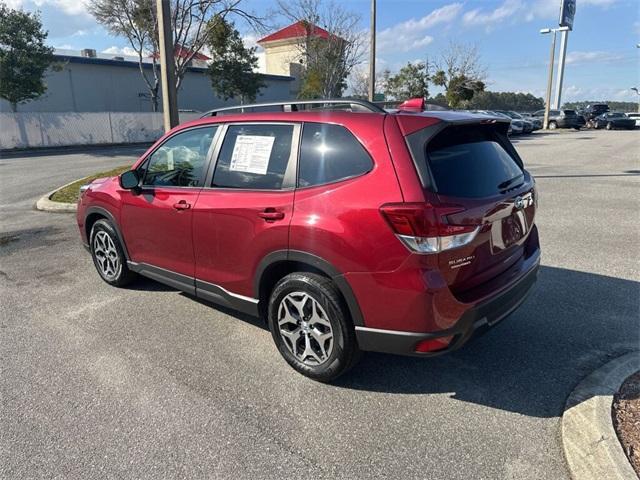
146,382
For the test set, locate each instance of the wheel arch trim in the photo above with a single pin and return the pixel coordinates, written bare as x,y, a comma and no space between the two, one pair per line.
109,216
316,262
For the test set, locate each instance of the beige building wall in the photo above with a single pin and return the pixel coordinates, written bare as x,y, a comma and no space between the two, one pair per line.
279,54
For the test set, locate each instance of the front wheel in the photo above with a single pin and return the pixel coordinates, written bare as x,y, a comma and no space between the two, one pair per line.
108,255
553,125
311,327
609,126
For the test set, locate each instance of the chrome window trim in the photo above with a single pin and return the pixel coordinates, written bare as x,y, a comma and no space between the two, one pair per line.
373,162
147,158
290,174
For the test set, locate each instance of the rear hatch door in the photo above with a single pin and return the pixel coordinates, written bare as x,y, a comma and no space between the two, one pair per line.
475,173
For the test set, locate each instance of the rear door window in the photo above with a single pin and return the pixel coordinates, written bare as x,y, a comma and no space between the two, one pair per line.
471,162
329,153
254,156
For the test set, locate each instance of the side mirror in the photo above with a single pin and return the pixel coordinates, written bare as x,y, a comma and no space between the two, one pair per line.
130,180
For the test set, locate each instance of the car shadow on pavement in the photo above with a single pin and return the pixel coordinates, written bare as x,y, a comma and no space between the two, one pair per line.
571,324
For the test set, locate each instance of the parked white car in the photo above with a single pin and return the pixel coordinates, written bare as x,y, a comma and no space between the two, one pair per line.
636,117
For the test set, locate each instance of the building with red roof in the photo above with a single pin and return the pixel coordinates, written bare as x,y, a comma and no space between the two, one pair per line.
295,31
284,49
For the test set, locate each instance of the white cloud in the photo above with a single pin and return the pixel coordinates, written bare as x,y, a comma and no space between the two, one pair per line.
598,3
250,40
501,14
412,34
571,93
423,42
550,9
577,58
519,10
126,51
62,18
69,7
14,4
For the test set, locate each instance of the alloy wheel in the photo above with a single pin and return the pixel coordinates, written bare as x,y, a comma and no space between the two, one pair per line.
305,328
106,255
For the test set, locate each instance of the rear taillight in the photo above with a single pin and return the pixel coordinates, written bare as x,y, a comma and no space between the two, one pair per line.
424,228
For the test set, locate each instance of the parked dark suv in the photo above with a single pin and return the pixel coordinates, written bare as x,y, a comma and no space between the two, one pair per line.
562,119
346,231
595,110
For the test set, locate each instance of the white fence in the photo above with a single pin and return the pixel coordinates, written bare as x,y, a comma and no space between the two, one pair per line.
52,129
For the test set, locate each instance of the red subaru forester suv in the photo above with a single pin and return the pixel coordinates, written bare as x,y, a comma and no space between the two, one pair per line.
346,227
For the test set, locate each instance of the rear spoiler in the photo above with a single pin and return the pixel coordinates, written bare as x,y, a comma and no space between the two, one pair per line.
412,105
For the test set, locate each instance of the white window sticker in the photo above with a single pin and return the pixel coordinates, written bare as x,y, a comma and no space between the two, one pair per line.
251,154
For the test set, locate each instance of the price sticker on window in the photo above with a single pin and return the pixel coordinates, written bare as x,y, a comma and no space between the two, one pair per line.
251,154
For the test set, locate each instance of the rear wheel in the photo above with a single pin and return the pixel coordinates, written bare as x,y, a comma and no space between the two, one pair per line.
553,125
609,126
310,326
108,255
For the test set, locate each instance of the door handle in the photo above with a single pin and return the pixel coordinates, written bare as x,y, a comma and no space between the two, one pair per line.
182,205
270,214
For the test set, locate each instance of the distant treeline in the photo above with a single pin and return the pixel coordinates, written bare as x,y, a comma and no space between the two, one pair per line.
613,106
519,102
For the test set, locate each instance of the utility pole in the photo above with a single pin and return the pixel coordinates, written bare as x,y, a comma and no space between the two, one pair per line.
563,54
426,73
547,102
372,53
167,66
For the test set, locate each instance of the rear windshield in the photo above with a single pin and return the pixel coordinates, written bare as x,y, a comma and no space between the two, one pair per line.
471,162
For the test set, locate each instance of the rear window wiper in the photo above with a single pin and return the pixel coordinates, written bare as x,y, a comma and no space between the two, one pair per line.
509,183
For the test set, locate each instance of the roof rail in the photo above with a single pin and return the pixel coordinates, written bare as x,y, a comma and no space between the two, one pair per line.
292,106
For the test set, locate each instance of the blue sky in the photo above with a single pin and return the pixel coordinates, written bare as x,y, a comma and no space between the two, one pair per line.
602,60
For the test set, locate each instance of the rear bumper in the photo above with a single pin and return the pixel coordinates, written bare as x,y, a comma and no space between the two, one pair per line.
479,317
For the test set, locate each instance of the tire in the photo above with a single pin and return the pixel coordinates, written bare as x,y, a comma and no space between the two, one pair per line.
304,310
552,125
609,126
108,255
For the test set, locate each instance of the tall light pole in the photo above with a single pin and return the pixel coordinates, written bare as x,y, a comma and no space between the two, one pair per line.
372,53
567,15
167,69
547,100
563,55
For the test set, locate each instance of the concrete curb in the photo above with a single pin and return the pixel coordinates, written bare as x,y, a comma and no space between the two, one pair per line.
589,441
45,203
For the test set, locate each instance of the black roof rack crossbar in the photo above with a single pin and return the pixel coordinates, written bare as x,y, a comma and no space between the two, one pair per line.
292,106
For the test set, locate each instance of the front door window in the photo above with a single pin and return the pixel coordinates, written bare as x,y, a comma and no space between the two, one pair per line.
180,161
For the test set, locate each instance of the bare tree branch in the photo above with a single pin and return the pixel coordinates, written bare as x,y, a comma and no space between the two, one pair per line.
137,21
328,61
